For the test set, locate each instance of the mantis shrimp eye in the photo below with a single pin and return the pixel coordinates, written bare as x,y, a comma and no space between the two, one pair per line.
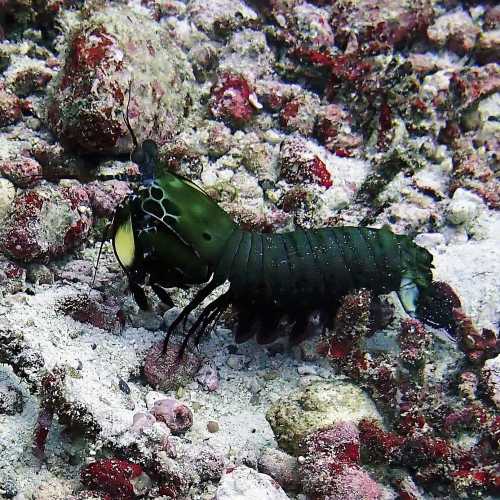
124,243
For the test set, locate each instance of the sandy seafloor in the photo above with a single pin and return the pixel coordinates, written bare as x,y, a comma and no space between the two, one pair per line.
258,153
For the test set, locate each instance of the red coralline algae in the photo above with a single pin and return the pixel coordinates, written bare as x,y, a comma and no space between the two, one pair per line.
319,174
51,389
113,476
23,172
433,459
422,420
477,345
10,107
422,449
12,276
473,417
87,51
59,164
455,30
96,130
411,450
385,122
299,164
46,222
289,112
272,95
474,83
12,270
177,416
106,196
476,479
42,428
298,114
331,130
378,374
351,324
414,341
330,469
87,98
93,309
311,26
230,100
339,69
378,444
31,79
166,370
18,240
380,27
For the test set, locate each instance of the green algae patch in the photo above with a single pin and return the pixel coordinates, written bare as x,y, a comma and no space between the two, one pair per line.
318,405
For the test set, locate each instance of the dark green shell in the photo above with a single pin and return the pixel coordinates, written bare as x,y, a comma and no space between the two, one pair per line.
181,237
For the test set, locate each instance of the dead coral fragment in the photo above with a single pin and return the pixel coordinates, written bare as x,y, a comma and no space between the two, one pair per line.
477,345
351,324
88,95
231,100
55,399
298,114
118,478
22,172
10,107
166,370
93,309
331,468
332,128
177,416
415,341
46,222
456,30
318,405
299,164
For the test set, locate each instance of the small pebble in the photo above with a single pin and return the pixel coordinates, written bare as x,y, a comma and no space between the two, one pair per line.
307,370
141,421
308,379
237,361
123,386
177,416
212,426
208,378
270,375
464,207
324,373
253,385
430,240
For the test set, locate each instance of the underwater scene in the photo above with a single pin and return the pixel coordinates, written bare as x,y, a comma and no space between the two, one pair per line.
249,249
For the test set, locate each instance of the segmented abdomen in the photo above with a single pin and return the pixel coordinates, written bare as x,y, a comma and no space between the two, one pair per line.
310,268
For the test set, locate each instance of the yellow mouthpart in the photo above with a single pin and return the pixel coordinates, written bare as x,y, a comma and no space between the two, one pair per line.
124,243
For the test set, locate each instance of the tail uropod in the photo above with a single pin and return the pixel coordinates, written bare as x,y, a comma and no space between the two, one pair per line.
170,233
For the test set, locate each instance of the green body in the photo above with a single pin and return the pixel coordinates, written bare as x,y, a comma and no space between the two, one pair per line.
170,233
310,268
